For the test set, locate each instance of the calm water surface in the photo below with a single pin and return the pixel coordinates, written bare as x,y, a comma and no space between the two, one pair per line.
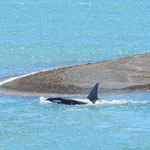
44,34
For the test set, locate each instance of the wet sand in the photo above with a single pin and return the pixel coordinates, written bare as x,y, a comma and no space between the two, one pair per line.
130,74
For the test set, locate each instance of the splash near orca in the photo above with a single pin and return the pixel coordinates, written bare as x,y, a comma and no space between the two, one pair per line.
93,97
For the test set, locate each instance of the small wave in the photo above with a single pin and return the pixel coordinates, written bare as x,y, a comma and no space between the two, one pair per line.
76,109
25,75
44,101
7,80
122,101
14,78
85,4
21,3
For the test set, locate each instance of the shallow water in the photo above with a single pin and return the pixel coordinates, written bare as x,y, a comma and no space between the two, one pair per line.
41,34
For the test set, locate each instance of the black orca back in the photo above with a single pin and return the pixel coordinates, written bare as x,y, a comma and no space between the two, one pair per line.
93,97
60,100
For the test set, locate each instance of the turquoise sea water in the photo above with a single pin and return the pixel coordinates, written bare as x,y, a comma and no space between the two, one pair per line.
45,34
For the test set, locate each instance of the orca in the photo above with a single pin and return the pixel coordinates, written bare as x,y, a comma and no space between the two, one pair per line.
93,97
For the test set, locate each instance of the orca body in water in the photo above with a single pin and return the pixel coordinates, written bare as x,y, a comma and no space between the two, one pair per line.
93,97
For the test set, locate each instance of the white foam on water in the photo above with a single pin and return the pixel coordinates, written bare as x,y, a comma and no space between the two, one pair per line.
85,4
77,109
7,80
21,3
113,102
120,102
14,78
44,101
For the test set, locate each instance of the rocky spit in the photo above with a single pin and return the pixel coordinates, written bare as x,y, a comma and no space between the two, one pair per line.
129,74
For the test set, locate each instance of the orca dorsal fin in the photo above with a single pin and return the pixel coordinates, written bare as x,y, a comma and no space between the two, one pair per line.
93,95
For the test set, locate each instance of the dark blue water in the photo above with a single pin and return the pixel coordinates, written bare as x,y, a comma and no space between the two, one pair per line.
44,34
